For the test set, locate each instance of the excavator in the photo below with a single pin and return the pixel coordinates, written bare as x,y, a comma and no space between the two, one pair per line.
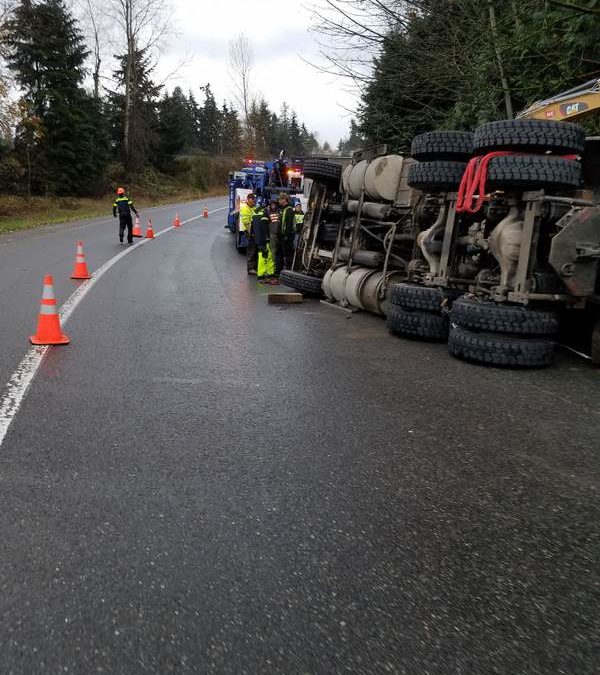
573,104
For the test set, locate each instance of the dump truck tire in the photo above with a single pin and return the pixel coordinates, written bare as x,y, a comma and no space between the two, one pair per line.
328,233
497,349
436,176
596,343
530,135
533,171
322,170
424,298
301,282
238,236
500,318
416,324
457,145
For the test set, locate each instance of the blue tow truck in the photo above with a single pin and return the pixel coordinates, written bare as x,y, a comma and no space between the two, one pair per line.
264,179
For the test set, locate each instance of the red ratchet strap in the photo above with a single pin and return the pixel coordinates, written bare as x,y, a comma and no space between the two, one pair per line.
474,181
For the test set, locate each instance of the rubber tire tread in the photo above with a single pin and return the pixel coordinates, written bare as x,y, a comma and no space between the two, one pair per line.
439,175
596,343
500,318
531,171
500,350
425,298
301,282
534,135
321,169
442,145
328,233
416,324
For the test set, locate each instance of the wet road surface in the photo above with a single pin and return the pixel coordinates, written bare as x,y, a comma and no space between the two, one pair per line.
204,483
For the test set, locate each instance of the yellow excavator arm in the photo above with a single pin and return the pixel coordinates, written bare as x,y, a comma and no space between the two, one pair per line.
572,104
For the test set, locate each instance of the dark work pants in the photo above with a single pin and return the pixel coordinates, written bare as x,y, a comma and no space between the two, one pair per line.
126,221
287,252
275,248
251,255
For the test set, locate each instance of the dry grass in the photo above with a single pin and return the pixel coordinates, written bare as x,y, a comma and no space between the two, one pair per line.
18,213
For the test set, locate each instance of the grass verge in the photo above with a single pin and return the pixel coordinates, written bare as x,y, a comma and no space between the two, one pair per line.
17,213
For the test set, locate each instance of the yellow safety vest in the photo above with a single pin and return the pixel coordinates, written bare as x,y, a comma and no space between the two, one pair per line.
246,215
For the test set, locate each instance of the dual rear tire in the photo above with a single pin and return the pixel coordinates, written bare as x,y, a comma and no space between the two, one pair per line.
479,331
502,335
419,312
443,155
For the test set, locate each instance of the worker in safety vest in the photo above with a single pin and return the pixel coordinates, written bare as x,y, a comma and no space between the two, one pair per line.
123,206
287,230
246,216
261,232
299,221
298,216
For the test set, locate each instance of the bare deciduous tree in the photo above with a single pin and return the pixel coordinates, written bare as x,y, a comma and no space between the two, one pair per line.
241,60
97,54
9,113
92,18
143,25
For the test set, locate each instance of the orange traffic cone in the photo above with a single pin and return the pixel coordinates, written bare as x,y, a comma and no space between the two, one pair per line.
205,213
149,231
80,271
137,228
177,222
48,330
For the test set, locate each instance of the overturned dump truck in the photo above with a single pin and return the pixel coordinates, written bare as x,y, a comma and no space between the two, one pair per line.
357,237
508,246
489,241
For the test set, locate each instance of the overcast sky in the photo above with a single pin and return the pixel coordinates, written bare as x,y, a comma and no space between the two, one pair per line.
279,34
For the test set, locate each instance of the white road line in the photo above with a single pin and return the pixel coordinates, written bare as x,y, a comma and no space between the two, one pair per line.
21,379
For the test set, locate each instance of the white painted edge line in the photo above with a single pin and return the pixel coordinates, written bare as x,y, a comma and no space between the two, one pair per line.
21,379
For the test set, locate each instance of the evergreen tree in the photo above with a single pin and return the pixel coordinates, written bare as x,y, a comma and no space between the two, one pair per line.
353,142
194,112
260,121
310,145
294,146
175,129
210,122
230,132
60,136
144,115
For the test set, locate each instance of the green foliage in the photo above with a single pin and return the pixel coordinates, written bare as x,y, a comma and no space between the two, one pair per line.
60,129
61,139
271,133
199,172
12,173
354,140
442,65
176,128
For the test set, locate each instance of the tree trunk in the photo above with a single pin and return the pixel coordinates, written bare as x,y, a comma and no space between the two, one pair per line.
127,154
501,71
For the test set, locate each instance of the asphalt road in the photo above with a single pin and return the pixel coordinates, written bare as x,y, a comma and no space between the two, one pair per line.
204,483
